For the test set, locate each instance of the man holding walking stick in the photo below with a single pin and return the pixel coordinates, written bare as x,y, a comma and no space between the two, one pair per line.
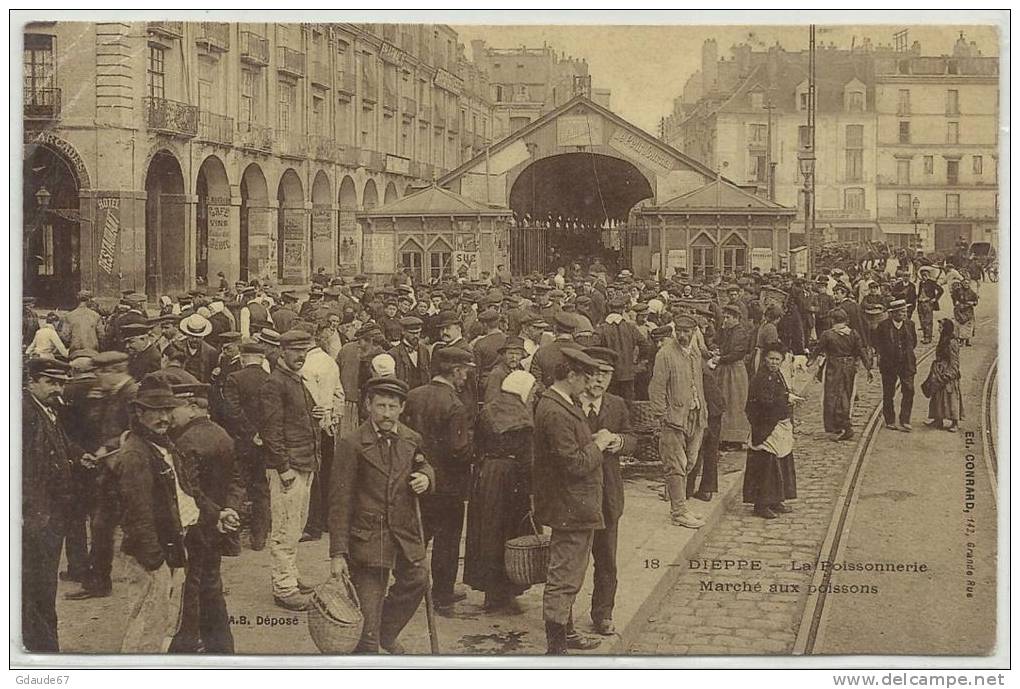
378,473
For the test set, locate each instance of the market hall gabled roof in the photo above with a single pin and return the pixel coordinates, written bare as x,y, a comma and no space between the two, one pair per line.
722,196
434,200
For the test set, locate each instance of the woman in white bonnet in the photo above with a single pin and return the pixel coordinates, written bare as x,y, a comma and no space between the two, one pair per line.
499,504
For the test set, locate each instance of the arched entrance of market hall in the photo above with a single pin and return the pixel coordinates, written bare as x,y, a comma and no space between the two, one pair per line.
212,223
292,242
166,227
573,207
52,229
258,254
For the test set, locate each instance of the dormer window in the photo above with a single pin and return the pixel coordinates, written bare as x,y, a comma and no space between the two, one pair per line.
757,100
854,98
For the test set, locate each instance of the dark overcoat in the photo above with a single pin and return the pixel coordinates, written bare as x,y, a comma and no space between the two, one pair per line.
406,370
614,416
567,472
437,412
371,506
289,431
895,347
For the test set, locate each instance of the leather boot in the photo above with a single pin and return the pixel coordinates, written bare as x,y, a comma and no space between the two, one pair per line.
555,639
676,488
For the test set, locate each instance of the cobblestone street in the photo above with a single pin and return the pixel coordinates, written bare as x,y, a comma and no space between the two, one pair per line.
707,612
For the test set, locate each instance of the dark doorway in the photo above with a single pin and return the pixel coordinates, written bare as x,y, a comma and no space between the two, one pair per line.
165,227
52,229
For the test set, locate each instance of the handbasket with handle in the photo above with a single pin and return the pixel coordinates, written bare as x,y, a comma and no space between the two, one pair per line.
335,620
526,558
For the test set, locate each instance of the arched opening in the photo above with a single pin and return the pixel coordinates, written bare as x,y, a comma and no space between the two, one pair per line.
255,224
322,223
440,259
574,207
165,227
52,239
212,222
391,193
292,243
703,255
734,254
370,199
349,244
411,259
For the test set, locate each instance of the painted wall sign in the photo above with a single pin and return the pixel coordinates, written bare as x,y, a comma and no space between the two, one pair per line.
261,242
391,54
219,227
630,144
579,130
109,220
447,81
66,149
762,258
294,244
465,263
676,259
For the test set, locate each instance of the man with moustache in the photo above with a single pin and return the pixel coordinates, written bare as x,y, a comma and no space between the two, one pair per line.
144,356
604,410
411,355
511,354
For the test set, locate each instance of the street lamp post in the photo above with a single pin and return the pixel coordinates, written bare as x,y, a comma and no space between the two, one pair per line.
806,159
916,205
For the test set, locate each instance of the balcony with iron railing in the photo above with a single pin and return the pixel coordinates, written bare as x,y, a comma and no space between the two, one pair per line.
322,147
254,137
214,36
320,73
171,117
42,104
291,144
290,61
964,213
346,83
215,129
168,29
254,49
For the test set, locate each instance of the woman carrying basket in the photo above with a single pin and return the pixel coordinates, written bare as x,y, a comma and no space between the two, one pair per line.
498,509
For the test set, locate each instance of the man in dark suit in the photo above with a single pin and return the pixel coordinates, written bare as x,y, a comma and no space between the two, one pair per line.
378,472
608,411
143,352
242,401
437,412
624,338
567,476
894,341
201,356
410,355
549,355
204,444
486,347
46,495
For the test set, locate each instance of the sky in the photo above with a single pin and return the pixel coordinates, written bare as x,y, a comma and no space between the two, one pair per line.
645,67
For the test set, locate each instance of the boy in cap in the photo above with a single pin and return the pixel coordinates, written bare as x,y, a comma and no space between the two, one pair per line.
437,412
290,433
46,500
380,469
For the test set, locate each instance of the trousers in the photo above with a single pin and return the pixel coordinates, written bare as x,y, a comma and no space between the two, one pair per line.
253,472
906,381
290,512
387,608
708,460
318,505
40,560
568,560
204,621
678,452
603,551
443,520
155,614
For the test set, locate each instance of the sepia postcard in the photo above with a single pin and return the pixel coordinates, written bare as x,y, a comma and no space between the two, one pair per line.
441,335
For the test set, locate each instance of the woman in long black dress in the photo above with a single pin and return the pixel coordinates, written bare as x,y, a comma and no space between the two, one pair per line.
769,477
498,507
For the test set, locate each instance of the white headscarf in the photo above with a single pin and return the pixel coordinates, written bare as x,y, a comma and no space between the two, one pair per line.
519,383
383,365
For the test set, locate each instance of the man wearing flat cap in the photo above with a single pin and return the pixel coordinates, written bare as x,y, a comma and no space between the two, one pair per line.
378,472
624,338
47,493
549,355
486,347
568,482
438,413
210,450
290,434
411,355
605,410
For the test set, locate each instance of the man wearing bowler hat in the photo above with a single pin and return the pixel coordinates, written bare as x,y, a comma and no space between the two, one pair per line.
379,470
290,433
568,480
144,355
437,412
411,355
46,500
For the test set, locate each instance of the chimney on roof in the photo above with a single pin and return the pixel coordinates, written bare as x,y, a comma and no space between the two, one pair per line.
709,66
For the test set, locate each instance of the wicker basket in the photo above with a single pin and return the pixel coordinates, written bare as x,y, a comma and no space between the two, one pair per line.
335,621
875,314
526,558
641,416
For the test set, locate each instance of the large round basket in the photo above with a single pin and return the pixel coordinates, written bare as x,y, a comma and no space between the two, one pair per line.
641,416
875,314
526,558
335,620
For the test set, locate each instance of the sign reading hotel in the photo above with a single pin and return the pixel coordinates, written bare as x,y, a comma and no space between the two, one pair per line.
578,130
111,229
633,146
447,81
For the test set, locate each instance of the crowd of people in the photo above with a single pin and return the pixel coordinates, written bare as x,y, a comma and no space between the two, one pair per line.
473,411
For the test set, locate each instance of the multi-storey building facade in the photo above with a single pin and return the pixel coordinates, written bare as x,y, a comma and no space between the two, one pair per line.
526,83
731,110
160,154
938,144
